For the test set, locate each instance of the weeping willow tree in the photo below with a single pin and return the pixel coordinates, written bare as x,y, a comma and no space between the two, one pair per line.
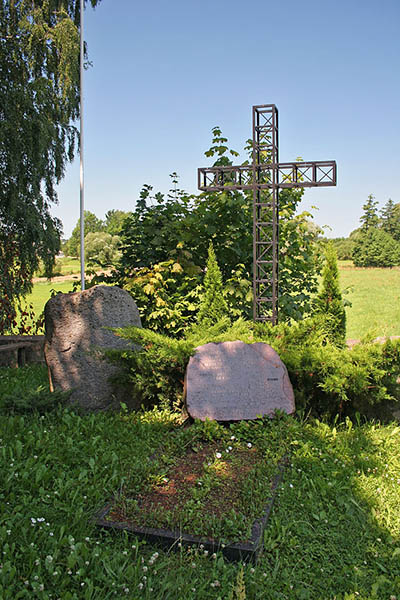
39,103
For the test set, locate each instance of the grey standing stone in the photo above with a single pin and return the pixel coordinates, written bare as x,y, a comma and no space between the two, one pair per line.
231,381
76,332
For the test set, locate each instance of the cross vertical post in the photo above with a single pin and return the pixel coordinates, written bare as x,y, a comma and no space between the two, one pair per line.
265,177
265,214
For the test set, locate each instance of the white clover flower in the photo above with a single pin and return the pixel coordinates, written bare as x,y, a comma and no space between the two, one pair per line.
249,445
233,437
87,539
49,558
229,447
145,569
33,520
140,586
218,454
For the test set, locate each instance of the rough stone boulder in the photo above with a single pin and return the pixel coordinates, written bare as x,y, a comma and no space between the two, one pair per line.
76,333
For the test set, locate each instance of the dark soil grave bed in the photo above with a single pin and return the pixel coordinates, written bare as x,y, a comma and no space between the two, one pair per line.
217,494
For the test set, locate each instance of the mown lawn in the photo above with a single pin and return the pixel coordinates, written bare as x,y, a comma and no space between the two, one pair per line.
42,291
334,531
374,294
375,297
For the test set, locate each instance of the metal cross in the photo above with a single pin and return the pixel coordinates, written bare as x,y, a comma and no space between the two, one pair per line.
266,173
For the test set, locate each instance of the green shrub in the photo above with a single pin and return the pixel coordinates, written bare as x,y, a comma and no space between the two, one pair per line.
329,300
40,400
213,305
167,295
327,380
344,247
376,248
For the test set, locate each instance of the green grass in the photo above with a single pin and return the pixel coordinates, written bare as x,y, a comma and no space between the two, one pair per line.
42,292
375,298
334,531
66,265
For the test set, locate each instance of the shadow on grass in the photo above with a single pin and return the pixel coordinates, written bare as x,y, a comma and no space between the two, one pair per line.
335,528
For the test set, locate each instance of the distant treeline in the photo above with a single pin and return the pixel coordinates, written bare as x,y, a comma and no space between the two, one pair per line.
376,243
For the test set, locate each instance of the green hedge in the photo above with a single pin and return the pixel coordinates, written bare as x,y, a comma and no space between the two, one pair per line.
327,379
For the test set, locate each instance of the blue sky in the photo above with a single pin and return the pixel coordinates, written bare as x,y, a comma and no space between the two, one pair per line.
165,73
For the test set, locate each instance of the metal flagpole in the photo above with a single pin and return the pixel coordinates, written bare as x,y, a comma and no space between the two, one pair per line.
82,190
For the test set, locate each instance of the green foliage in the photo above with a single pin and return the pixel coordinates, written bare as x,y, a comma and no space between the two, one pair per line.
92,225
390,219
102,249
39,100
166,294
25,391
114,221
327,379
154,231
155,372
370,217
344,247
40,400
376,248
213,305
338,508
329,300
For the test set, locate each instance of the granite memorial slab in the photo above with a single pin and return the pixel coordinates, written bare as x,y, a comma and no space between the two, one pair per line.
232,381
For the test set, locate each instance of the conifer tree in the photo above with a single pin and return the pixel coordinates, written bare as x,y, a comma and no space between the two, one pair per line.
329,301
370,217
390,219
213,305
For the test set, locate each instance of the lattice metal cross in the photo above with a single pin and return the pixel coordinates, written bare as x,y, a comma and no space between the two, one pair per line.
266,173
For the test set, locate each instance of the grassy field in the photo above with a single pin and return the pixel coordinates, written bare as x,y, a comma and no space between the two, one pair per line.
42,292
66,265
374,294
334,533
375,297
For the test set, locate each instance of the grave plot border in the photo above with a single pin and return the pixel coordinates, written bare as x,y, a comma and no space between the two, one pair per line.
233,552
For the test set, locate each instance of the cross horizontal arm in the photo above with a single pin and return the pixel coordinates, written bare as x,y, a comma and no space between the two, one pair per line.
249,177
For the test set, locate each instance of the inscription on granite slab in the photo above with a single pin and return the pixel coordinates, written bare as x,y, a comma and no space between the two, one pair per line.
232,381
